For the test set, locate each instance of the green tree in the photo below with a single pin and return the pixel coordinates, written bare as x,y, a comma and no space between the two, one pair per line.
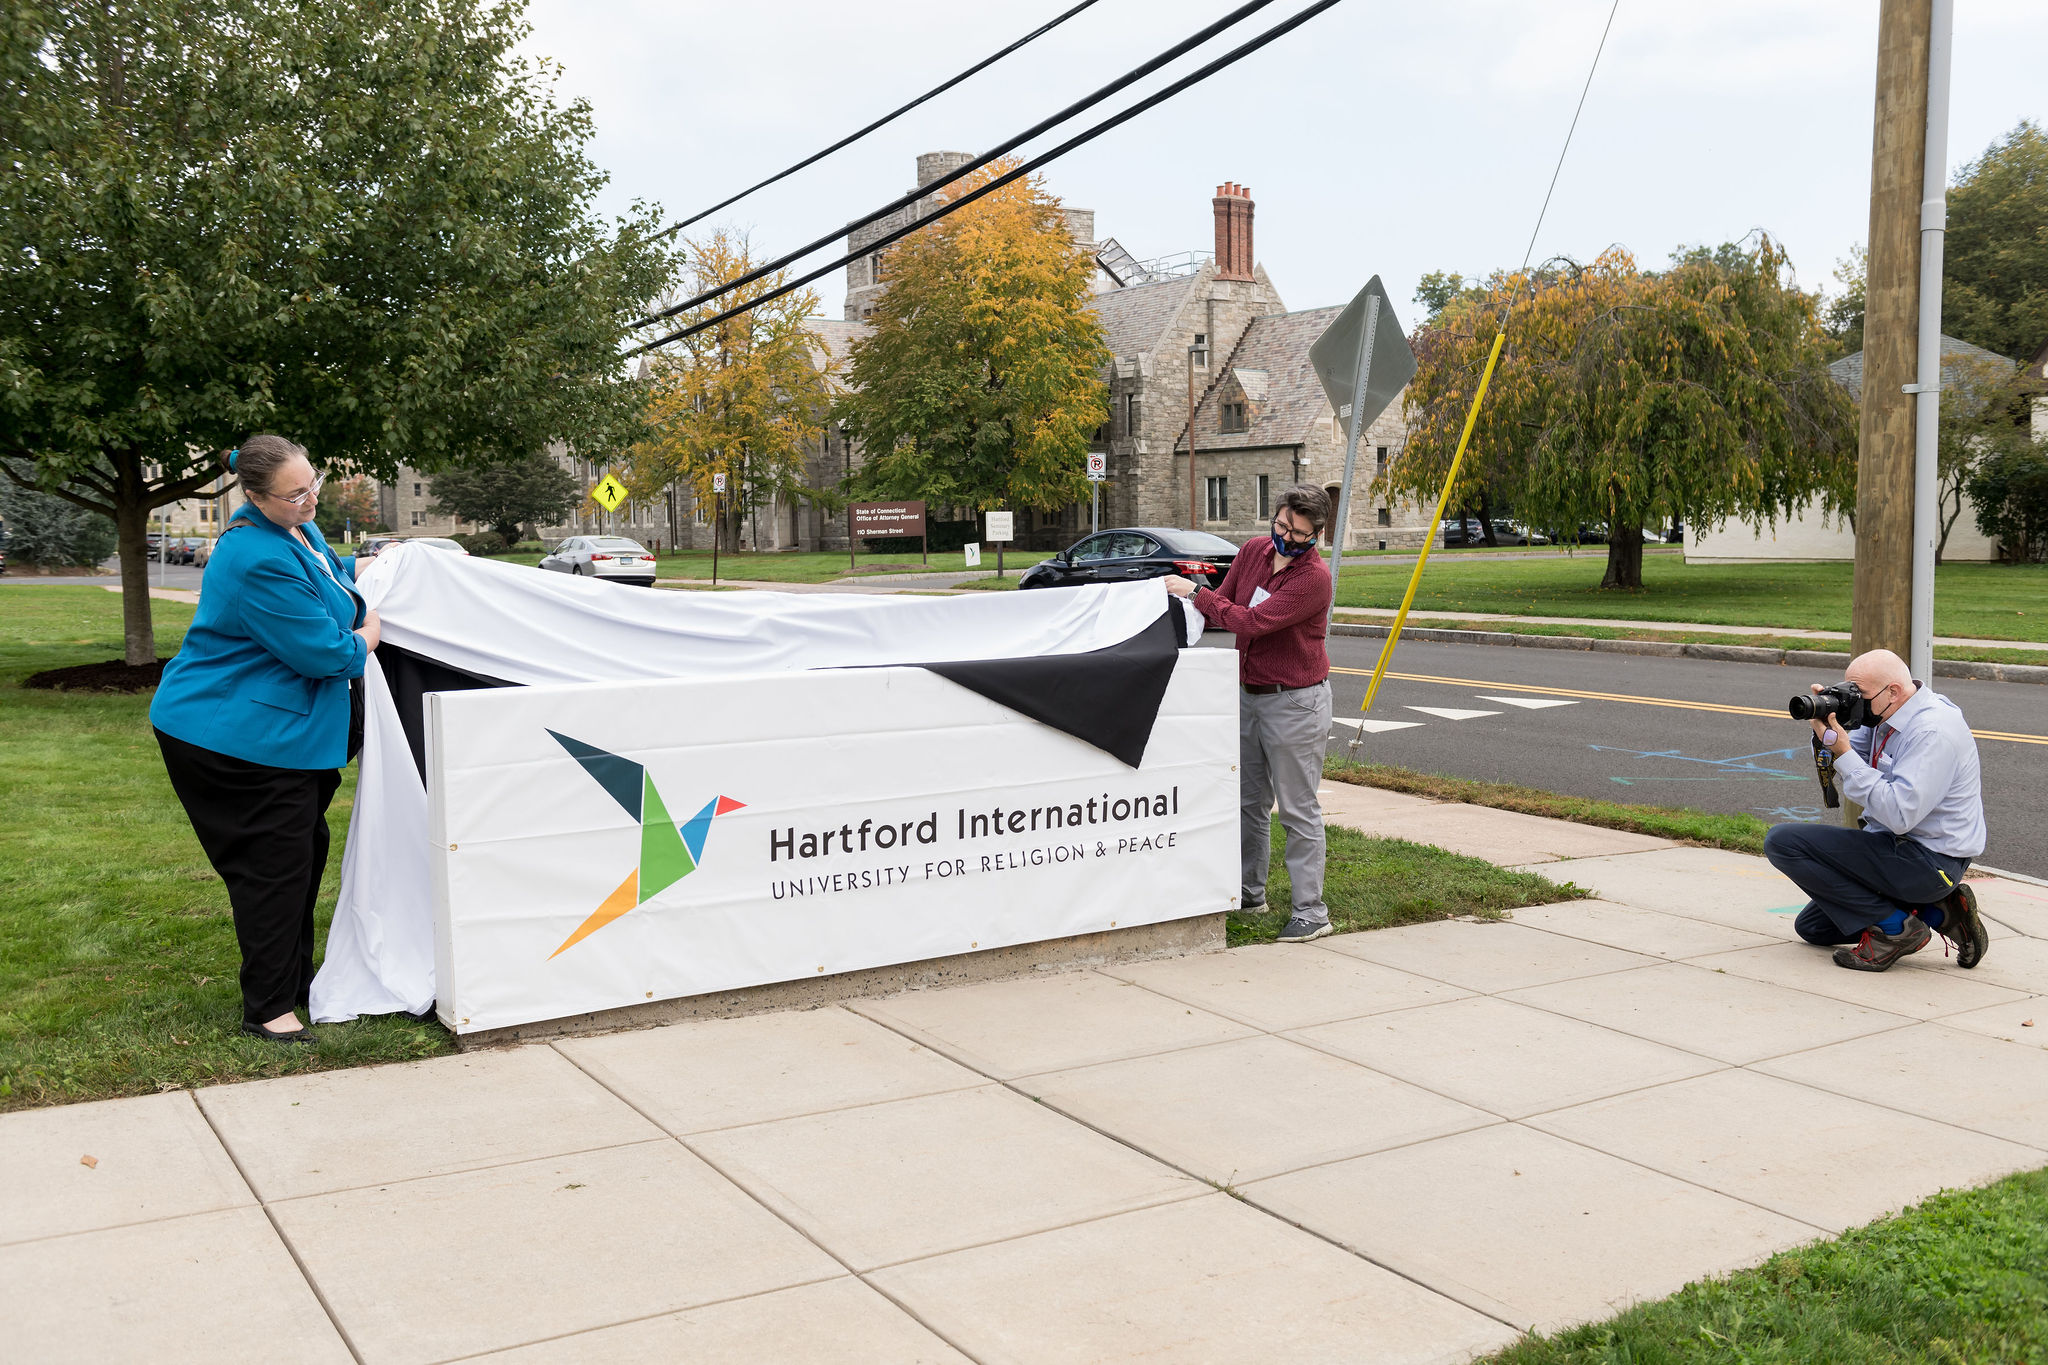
365,226
348,504
1439,289
1635,399
1842,319
1986,410
1995,257
979,386
746,398
505,493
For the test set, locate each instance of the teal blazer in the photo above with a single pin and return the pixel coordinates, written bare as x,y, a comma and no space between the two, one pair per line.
263,673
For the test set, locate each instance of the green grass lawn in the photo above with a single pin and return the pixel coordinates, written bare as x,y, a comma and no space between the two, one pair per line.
1372,883
1984,601
117,953
1739,832
1960,1278
769,567
2019,654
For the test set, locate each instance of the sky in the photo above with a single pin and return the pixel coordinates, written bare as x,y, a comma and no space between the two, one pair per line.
1382,137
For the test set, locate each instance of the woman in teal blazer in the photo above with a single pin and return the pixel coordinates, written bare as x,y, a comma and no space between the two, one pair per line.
253,720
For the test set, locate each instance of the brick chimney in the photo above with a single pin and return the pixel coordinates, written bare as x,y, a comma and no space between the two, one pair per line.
1233,231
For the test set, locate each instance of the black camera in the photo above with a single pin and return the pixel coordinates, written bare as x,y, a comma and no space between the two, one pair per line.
1846,700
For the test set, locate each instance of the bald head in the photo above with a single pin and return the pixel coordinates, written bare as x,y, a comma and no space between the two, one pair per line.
1877,670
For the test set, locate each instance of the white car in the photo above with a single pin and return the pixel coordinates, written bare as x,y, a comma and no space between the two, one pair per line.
613,557
373,546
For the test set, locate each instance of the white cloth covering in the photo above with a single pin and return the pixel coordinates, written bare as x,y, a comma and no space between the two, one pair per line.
521,625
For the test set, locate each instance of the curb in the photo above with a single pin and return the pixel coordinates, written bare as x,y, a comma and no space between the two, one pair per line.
1669,649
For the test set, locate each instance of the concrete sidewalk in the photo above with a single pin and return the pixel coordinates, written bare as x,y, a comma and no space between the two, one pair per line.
1398,1146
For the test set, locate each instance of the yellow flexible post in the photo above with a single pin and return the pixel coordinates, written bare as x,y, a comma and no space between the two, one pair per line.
1450,481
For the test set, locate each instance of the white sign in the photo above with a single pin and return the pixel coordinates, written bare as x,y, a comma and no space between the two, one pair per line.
973,554
1098,466
718,483
597,845
1000,526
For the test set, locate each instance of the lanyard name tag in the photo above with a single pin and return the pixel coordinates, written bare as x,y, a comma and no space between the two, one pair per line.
1259,595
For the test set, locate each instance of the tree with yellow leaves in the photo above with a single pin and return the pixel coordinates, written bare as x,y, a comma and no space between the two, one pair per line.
1630,399
746,398
979,386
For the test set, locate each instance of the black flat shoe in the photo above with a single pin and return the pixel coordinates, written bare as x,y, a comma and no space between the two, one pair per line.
297,1035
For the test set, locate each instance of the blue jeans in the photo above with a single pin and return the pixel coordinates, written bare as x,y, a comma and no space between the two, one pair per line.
1856,877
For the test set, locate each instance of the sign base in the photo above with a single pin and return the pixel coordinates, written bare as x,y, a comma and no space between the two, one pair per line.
1082,952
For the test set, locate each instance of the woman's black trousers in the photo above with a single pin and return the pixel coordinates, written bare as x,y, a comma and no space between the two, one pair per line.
265,832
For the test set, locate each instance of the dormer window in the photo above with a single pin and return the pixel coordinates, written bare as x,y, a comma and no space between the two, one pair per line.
1234,417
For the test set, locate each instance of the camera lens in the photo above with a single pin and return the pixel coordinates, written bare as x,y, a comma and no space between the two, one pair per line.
1801,708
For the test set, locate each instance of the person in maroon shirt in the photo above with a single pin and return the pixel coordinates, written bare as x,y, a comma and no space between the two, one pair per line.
1276,600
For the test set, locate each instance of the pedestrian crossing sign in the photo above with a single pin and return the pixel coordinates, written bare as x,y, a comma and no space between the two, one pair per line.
609,492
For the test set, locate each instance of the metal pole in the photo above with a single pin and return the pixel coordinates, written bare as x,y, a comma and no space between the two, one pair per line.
1927,391
717,526
1194,523
1094,506
163,549
1372,325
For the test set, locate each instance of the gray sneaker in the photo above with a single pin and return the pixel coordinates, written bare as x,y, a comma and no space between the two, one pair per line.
1301,930
1876,950
1251,907
1962,926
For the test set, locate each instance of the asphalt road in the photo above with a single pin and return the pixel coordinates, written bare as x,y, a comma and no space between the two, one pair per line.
1678,751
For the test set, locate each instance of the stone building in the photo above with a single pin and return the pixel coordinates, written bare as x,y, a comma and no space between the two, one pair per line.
1219,339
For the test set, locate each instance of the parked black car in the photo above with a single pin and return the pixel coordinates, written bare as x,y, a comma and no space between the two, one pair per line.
1133,552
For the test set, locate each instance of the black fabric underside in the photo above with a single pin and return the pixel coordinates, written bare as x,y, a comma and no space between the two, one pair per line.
410,677
1106,697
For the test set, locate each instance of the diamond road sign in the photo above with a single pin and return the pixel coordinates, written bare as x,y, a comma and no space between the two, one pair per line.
609,492
1335,356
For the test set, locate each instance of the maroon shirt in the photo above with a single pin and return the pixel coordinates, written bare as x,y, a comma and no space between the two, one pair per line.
1281,639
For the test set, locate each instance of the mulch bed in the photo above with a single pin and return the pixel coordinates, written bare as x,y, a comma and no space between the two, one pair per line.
115,675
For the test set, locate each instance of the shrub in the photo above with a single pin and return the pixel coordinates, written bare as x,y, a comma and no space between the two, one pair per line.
482,542
2010,488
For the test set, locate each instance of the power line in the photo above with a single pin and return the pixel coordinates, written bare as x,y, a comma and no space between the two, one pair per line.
905,201
1195,77
1558,170
852,138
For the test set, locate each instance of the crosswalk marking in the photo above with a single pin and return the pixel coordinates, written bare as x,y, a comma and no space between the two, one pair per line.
1373,727
1451,712
1528,703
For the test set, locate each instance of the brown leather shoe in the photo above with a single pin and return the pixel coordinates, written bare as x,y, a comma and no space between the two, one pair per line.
1962,926
1876,951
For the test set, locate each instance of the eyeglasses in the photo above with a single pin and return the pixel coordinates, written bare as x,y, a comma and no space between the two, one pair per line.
302,500
1292,536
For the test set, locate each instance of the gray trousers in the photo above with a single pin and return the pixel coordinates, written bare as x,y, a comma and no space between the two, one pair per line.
1280,741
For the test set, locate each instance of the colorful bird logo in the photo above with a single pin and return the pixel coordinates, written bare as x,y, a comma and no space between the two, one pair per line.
668,852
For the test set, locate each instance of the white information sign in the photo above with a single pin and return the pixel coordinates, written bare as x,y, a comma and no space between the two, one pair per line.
598,845
1098,466
718,483
972,552
1000,526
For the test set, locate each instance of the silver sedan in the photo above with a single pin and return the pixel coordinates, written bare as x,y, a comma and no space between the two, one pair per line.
613,557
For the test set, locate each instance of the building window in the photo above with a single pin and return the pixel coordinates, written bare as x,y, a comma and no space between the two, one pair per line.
1383,457
1233,417
700,513
1131,416
875,268
1219,498
1386,516
1200,353
1265,496
416,490
416,518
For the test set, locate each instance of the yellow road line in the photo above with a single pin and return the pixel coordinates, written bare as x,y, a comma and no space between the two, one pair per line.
1682,704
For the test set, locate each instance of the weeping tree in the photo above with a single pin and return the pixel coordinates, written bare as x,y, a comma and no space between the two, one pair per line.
366,227
1632,399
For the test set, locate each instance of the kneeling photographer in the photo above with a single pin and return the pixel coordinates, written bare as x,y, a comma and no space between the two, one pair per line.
1904,754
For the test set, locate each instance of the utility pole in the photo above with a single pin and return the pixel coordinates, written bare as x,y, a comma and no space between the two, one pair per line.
1882,605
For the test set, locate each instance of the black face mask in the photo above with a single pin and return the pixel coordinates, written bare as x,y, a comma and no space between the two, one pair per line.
1290,550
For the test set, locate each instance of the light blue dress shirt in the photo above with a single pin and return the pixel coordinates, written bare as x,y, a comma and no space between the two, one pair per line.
1924,781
